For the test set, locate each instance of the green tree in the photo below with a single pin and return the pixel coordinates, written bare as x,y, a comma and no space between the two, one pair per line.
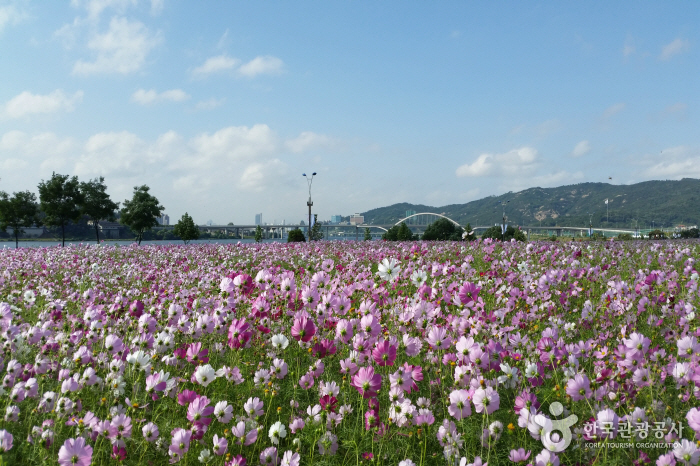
18,212
258,234
392,234
96,204
690,233
443,230
316,234
141,212
368,235
60,200
185,229
296,236
657,234
404,233
495,233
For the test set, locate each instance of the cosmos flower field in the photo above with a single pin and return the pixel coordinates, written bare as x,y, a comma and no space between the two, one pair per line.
336,353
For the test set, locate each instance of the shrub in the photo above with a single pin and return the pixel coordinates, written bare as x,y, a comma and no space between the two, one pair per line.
296,236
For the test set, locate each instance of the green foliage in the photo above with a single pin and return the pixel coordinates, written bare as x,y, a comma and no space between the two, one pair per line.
495,233
141,211
258,234
597,236
316,234
18,212
392,234
443,230
296,236
96,204
691,233
60,200
624,237
657,234
368,235
399,233
186,229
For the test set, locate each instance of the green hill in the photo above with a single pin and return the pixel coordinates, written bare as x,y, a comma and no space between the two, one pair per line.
657,203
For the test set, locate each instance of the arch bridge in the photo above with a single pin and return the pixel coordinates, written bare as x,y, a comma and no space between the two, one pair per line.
427,213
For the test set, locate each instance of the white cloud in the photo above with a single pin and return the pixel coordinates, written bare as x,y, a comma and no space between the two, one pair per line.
209,104
629,48
674,163
676,47
235,143
122,49
216,64
614,110
95,8
145,97
257,176
157,6
27,103
581,149
9,15
519,162
309,141
261,65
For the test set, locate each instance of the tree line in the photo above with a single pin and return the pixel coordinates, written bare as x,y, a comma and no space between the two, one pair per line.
64,200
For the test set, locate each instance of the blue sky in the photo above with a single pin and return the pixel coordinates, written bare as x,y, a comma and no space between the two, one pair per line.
220,106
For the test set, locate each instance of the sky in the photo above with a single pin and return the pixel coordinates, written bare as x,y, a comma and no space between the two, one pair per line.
220,107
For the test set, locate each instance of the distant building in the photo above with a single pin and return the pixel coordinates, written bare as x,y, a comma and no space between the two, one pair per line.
164,220
258,219
336,219
357,219
413,220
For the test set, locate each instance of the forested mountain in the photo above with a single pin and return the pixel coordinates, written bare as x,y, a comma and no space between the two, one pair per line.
657,203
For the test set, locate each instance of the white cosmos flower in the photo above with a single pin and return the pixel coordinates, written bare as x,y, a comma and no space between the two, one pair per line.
418,277
140,359
388,269
279,341
277,431
29,296
205,375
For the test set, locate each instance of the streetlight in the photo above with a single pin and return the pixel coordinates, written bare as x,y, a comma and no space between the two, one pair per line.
590,223
309,202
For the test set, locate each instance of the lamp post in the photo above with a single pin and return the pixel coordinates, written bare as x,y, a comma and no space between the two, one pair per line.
309,202
590,223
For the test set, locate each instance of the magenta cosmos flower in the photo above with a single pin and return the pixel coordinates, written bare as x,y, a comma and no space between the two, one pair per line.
303,329
384,354
238,334
75,452
367,382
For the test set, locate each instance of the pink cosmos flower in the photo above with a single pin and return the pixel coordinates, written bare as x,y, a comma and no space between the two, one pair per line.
579,387
460,406
196,355
220,445
199,410
486,400
75,452
180,443
290,458
5,441
239,433
303,329
519,455
367,382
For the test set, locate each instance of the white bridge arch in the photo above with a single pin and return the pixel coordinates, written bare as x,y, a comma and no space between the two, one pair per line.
427,213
